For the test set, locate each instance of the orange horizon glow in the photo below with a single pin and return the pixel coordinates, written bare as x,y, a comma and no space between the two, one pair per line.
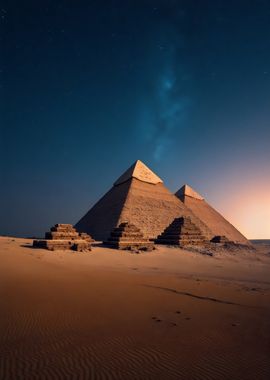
246,205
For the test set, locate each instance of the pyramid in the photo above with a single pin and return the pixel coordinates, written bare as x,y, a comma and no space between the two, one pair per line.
140,198
181,232
218,225
128,236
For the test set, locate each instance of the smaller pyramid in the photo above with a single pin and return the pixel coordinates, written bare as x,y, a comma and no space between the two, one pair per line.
188,191
181,232
63,237
141,172
128,236
215,222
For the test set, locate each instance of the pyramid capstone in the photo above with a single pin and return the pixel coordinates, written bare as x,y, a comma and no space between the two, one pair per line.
188,191
139,171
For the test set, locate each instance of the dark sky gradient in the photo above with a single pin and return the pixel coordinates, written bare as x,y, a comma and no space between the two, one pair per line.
88,87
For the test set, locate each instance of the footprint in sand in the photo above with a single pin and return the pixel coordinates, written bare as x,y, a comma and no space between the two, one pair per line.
172,324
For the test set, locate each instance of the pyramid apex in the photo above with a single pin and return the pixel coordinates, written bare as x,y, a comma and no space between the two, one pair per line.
186,190
140,171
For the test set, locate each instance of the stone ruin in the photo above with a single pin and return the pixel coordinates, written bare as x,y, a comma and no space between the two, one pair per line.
63,237
128,236
181,232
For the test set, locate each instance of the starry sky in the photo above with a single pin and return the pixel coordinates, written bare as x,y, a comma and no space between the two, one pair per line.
88,87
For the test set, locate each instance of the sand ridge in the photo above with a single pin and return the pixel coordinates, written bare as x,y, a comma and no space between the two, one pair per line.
168,314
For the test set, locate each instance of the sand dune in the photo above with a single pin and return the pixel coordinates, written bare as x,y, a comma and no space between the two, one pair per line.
168,314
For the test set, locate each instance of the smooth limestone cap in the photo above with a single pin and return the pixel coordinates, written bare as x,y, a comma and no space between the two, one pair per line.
188,191
140,171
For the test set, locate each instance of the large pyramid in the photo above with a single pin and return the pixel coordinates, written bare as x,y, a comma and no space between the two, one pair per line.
213,219
138,197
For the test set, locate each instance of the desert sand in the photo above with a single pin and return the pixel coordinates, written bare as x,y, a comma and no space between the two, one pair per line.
108,314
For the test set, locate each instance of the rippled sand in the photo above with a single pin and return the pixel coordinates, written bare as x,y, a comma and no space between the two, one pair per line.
169,314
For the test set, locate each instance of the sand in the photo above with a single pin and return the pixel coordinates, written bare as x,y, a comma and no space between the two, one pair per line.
168,314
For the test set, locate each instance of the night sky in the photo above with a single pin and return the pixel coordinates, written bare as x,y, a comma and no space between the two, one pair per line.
88,87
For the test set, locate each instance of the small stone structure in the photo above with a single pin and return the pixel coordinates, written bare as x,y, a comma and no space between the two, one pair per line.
181,232
64,236
220,239
128,236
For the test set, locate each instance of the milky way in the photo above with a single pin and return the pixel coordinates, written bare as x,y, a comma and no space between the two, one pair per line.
87,89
